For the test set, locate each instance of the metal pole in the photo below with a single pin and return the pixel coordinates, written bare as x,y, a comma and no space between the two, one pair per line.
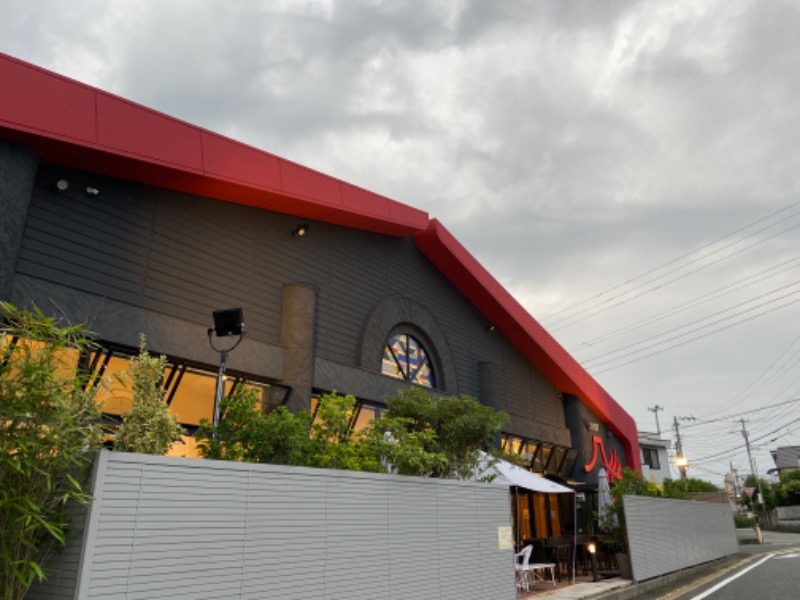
223,359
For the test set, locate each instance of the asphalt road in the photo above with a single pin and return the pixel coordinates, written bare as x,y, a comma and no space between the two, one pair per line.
759,572
769,577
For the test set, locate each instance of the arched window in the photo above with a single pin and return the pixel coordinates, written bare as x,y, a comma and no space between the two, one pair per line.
404,357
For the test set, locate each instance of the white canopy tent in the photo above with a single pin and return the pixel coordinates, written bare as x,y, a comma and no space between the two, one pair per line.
505,473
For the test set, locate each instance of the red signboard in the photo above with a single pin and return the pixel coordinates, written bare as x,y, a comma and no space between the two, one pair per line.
610,462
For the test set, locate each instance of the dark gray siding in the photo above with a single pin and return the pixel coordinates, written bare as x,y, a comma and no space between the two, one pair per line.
17,175
184,256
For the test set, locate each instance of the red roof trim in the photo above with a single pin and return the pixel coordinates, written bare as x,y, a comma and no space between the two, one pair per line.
78,126
538,346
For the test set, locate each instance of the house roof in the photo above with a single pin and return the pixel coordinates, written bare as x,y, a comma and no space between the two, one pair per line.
82,127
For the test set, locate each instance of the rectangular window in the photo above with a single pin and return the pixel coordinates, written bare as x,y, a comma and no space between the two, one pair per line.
650,458
541,458
569,462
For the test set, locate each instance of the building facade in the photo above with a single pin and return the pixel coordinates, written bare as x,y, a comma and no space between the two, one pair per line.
655,458
133,222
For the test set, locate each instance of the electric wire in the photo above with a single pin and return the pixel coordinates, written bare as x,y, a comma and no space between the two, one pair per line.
559,325
700,423
698,321
670,262
699,337
758,385
752,441
694,302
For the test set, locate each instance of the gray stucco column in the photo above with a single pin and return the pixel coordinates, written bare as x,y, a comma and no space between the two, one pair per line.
18,167
298,316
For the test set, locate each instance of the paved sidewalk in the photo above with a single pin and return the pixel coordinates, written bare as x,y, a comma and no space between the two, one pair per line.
621,589
580,590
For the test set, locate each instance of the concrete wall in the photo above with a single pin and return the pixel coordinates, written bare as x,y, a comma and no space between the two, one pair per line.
177,528
666,535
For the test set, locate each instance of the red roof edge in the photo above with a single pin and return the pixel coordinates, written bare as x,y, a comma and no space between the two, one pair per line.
78,126
530,338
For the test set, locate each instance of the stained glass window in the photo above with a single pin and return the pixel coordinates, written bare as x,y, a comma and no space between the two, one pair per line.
405,358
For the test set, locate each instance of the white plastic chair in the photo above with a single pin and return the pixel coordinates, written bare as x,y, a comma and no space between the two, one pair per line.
523,568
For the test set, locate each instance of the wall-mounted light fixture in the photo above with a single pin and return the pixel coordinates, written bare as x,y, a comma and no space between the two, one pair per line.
62,185
92,191
301,230
592,426
489,328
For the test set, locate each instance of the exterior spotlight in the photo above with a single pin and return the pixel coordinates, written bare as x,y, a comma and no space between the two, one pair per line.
62,185
490,328
227,323
92,191
301,230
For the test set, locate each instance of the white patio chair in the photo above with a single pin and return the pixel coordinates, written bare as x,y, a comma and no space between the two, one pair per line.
523,568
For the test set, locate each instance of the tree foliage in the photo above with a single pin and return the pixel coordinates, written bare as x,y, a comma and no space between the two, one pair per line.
769,496
48,427
246,434
420,435
461,428
682,489
147,427
787,490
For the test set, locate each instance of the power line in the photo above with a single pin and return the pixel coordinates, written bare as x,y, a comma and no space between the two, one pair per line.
706,318
755,386
673,261
693,303
699,337
700,422
554,326
726,452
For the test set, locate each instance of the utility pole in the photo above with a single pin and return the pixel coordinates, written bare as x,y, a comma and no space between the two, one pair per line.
655,410
755,474
680,459
752,464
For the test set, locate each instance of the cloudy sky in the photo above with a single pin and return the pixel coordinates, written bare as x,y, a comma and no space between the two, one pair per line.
628,170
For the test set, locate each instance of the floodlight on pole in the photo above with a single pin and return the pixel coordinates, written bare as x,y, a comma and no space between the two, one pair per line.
228,322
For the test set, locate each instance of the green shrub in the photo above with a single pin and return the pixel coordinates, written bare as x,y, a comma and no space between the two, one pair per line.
147,427
48,429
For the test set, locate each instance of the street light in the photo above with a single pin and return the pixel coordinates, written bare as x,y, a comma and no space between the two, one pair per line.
682,463
228,322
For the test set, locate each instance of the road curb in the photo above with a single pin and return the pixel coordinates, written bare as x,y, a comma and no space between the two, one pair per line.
692,577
